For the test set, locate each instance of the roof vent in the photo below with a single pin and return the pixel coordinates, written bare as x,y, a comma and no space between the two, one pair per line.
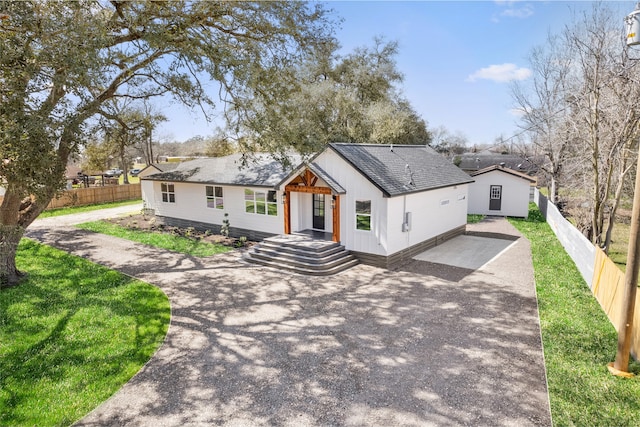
391,148
409,174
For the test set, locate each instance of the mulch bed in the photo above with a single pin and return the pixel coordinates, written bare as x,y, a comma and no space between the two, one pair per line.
149,223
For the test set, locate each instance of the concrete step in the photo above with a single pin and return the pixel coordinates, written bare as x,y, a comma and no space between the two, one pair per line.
300,243
302,270
301,262
301,254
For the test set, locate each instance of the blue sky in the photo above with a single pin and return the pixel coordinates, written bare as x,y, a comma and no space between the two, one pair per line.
457,57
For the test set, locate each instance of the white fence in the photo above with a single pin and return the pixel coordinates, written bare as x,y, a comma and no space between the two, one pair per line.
579,248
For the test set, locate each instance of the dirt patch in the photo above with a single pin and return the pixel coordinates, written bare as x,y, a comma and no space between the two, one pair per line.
149,223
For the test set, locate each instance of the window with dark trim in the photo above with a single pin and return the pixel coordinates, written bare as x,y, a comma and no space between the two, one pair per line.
261,202
215,199
168,192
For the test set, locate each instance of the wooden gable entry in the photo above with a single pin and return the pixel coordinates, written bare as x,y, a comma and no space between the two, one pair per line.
306,183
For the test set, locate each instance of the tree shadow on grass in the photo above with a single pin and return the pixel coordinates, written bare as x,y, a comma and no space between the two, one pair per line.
72,334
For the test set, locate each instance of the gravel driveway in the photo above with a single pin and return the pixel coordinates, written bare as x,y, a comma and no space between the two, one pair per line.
428,344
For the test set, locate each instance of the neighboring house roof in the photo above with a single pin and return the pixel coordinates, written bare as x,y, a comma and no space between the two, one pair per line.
505,170
401,169
260,171
165,166
479,161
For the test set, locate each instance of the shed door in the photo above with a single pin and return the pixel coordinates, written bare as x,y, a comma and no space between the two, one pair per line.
318,211
495,197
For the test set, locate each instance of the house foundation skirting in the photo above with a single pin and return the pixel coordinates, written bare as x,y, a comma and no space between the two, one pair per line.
405,255
234,232
389,262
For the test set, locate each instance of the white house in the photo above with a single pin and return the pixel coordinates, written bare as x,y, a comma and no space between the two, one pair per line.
383,203
500,191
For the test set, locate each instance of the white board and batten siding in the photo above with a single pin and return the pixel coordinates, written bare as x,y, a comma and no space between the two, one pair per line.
433,212
301,205
191,204
357,188
148,196
515,194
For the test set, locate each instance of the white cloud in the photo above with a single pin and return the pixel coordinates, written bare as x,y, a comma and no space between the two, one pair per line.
500,73
513,9
518,12
517,112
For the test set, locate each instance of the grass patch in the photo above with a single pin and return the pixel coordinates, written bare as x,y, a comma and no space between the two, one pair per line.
578,339
71,335
620,245
88,208
184,245
474,218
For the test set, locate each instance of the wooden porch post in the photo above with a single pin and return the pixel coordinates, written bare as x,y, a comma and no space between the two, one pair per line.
336,219
287,213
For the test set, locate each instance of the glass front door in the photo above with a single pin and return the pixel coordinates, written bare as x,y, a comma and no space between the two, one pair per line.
318,211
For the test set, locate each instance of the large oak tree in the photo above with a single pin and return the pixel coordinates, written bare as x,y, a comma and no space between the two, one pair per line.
60,62
353,98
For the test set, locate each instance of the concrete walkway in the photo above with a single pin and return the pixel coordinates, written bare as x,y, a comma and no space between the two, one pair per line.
428,344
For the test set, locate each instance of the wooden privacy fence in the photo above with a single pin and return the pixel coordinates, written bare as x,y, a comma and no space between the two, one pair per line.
608,288
95,195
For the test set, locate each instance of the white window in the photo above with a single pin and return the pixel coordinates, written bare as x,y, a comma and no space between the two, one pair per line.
363,215
261,202
168,192
215,198
496,192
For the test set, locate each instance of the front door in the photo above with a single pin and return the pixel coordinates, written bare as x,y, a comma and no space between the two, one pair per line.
495,198
318,211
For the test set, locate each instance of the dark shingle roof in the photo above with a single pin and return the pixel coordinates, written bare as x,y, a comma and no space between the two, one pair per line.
402,169
162,167
260,171
478,161
166,167
505,170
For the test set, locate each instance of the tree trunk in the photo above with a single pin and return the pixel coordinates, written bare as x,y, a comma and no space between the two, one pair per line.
16,213
553,191
10,236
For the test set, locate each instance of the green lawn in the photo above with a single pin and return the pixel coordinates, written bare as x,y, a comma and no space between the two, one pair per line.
578,339
71,335
170,242
619,245
474,218
88,208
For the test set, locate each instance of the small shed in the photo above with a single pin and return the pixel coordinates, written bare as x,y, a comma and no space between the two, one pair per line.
498,190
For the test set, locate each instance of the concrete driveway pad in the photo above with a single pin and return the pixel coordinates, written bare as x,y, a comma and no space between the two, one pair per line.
252,346
471,252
